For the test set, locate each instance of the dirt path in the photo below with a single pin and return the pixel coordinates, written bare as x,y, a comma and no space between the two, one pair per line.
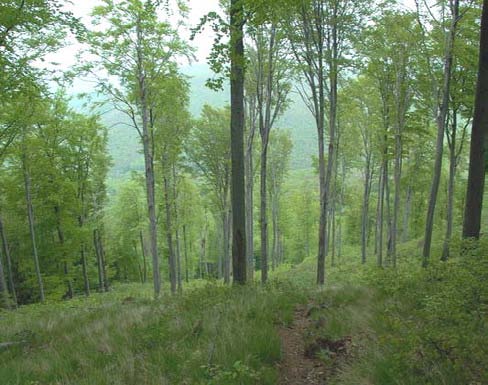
295,368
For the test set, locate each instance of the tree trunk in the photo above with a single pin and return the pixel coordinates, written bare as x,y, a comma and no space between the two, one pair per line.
144,262
450,188
226,255
6,252
185,251
69,284
378,207
178,261
365,210
479,138
148,163
274,218
333,235
441,126
388,215
177,233
102,261
263,211
380,224
30,215
397,180
249,201
239,265
3,285
169,237
101,285
406,214
84,266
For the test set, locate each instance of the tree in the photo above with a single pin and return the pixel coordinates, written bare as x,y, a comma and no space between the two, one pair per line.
237,19
460,110
209,149
270,73
440,110
140,50
171,128
320,37
479,138
279,159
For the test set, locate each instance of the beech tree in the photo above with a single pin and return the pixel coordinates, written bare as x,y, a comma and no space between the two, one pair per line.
479,135
320,36
209,149
270,72
139,49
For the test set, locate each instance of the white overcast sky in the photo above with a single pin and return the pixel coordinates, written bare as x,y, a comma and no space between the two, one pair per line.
82,8
198,8
66,57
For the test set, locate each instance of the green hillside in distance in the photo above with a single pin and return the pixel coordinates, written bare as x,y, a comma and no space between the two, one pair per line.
124,142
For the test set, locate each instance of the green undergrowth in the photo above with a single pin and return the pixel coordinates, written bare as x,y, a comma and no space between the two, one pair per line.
407,325
211,334
414,325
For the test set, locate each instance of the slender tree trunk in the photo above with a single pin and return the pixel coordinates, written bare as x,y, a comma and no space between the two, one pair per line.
202,256
177,233
341,205
450,189
148,162
227,229
169,237
365,210
250,200
106,283
239,265
6,252
101,284
389,222
69,284
178,262
406,213
333,235
263,211
136,257
144,262
185,251
274,218
30,215
333,75
397,180
441,126
378,209
479,140
84,267
323,196
3,285
381,213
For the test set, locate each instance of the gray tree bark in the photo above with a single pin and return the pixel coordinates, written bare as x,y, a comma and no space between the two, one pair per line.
148,149
239,263
479,140
169,237
6,252
30,216
144,261
441,126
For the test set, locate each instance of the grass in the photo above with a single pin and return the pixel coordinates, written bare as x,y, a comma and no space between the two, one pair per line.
211,334
407,326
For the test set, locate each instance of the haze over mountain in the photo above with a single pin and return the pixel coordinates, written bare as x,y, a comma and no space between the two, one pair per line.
124,144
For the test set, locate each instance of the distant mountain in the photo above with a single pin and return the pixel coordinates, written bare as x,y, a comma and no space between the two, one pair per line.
124,144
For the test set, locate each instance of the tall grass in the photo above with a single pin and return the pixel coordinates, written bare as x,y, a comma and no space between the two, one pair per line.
209,335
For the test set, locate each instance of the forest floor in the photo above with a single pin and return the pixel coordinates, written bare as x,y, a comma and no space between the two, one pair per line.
326,335
407,326
295,366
